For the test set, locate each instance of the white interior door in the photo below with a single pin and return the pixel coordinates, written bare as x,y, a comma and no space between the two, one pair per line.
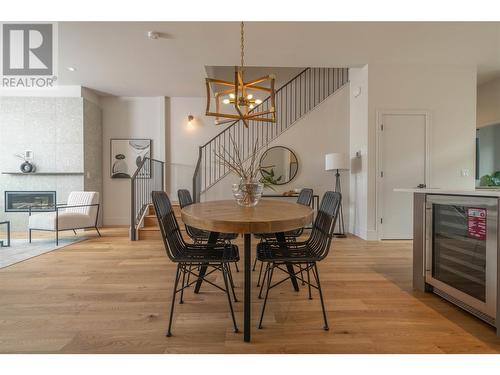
402,164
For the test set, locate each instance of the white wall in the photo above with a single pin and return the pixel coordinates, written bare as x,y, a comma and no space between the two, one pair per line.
488,103
128,117
324,130
449,94
358,130
184,140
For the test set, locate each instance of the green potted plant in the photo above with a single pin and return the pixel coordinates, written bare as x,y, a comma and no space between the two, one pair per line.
490,180
269,179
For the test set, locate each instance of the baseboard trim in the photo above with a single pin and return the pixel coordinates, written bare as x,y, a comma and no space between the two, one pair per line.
109,221
371,235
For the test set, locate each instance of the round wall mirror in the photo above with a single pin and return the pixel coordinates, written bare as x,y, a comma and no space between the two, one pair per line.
278,165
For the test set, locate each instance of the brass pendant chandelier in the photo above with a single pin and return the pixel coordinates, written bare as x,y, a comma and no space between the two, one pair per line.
241,95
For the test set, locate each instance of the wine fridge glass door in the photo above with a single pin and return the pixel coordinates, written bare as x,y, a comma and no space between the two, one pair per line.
462,249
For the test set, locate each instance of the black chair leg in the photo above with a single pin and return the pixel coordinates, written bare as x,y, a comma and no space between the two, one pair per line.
260,274
74,231
225,275
293,240
183,270
301,275
189,274
262,286
29,235
230,278
57,238
309,280
316,276
99,233
231,283
177,277
236,265
254,264
269,279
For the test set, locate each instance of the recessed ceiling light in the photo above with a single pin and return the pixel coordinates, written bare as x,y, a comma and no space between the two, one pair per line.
71,69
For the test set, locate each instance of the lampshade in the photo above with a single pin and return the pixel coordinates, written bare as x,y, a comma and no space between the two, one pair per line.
336,161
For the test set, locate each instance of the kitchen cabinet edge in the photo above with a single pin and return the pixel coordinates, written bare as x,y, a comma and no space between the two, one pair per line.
418,241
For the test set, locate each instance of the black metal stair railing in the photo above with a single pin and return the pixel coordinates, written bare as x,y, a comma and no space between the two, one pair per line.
148,177
293,100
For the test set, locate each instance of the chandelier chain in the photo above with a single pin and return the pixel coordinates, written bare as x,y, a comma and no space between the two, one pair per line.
242,45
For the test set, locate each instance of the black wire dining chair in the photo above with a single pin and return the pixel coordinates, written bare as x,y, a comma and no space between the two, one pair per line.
200,235
303,254
189,256
305,198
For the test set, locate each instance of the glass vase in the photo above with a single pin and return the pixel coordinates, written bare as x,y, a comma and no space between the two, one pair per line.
248,193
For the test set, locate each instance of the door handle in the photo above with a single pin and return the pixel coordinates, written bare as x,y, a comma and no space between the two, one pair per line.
421,186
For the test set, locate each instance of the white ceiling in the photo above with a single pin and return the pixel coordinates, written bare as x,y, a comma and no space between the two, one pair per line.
117,58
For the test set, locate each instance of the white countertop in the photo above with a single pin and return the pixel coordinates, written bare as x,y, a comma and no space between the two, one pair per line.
476,192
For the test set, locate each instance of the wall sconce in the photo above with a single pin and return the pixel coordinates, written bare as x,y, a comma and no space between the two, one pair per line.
191,123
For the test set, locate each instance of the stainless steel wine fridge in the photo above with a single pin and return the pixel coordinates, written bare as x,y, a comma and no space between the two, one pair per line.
461,252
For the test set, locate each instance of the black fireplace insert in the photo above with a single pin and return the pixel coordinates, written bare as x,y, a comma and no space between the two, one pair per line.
21,201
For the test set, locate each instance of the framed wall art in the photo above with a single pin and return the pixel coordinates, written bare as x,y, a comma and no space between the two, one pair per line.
126,155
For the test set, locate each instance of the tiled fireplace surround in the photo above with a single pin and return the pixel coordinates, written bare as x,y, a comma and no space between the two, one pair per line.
65,135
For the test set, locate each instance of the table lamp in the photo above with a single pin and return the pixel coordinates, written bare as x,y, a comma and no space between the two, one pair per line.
338,162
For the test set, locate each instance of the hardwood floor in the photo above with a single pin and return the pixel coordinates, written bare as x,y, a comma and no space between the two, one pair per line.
110,295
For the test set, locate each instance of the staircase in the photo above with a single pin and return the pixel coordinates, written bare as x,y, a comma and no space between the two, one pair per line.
293,100
148,177
150,229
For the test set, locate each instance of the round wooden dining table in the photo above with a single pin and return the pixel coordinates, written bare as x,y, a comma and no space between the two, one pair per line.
268,216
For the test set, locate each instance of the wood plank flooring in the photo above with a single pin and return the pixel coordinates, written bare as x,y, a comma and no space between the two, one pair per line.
110,295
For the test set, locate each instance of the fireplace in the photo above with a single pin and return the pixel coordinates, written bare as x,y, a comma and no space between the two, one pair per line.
21,201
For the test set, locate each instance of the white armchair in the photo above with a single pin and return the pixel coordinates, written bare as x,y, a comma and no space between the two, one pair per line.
80,212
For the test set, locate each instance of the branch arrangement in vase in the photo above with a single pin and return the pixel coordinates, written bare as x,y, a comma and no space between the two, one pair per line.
245,170
249,190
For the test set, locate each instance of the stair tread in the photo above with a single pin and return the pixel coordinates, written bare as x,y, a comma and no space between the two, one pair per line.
153,217
174,203
155,229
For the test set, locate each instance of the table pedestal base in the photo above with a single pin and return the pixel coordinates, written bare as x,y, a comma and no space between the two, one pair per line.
248,287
